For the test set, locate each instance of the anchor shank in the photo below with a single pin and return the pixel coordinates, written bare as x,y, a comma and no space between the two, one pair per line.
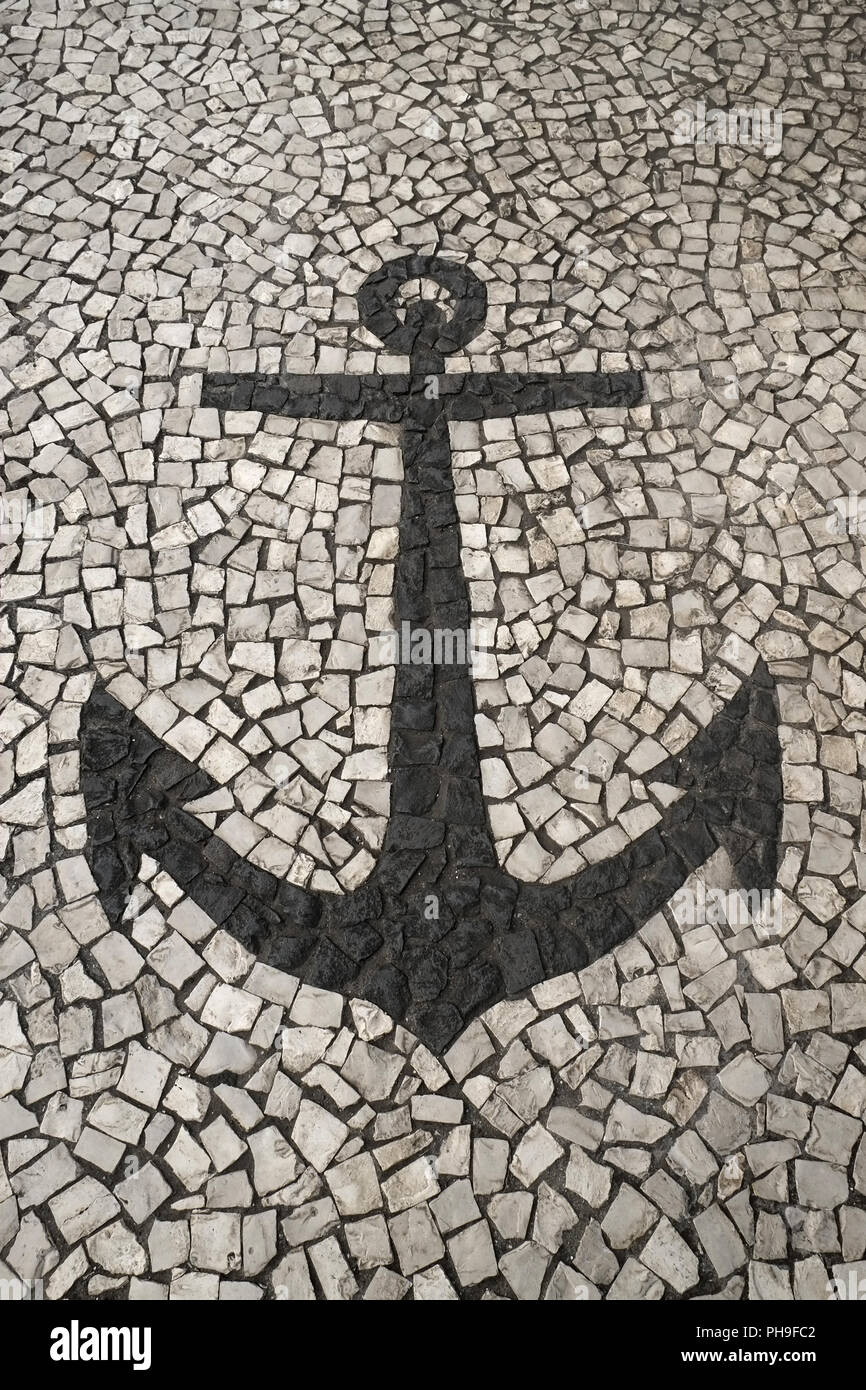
432,721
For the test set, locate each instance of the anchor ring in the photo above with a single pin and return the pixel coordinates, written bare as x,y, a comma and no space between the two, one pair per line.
425,328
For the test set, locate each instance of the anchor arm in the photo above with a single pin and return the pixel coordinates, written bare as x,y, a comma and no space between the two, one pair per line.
482,395
328,396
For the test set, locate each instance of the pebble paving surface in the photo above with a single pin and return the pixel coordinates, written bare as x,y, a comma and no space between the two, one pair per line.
333,973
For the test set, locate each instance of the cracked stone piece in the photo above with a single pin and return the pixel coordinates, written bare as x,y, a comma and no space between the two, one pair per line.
411,1185
625,1123
310,1221
318,1135
471,1049
436,1110
455,1153
368,1242
433,1285
118,960
509,1018
194,1287
524,1269
567,1122
769,1282
82,1209
230,1009
215,1241
386,1286
554,1216
534,1154
472,1254
489,1165
455,1206
51,1171
667,1194
415,1239
820,1185
668,1256
769,966
810,1280
565,1285
188,1160
848,1004
510,1213
32,1254
223,1145
142,1192
275,1162
551,1040
117,1250
721,1240
259,1241
635,1281
593,1258
227,1053
589,1180
302,1047
371,1071
724,1125
14,1118
628,1218
355,1186
833,1136
168,1244
652,1075
290,1279
319,1008
431,1071
144,1076
745,1079
272,985
806,1009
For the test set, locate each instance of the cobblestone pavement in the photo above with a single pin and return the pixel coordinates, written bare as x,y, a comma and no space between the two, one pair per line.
338,960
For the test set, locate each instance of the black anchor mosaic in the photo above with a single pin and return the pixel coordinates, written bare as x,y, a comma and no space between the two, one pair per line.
492,936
